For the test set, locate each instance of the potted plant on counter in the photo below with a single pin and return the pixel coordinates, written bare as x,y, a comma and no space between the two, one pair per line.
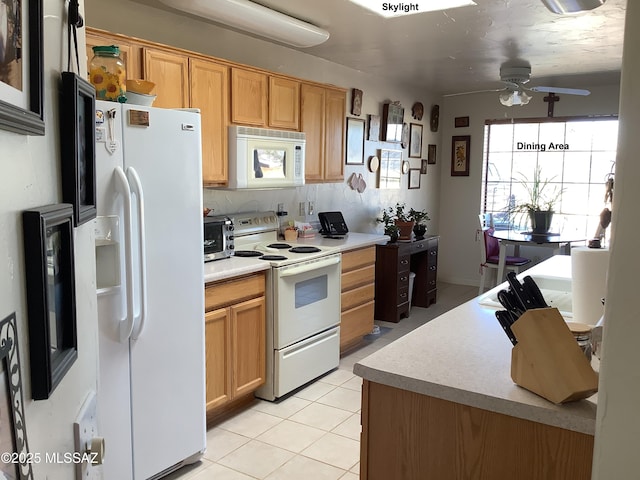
540,202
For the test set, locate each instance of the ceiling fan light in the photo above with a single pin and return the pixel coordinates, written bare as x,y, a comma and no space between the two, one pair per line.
572,6
506,99
256,19
514,98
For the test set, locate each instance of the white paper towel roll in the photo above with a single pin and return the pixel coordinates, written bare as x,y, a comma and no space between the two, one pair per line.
589,283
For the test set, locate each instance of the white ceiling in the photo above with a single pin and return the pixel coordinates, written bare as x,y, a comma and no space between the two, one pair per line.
462,49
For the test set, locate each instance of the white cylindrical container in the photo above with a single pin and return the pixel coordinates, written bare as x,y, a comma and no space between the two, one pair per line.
588,283
412,276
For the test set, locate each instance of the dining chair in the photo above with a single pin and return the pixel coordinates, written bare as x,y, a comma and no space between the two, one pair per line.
490,254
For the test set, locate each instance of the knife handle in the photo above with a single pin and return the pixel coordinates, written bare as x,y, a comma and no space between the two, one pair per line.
519,291
505,321
534,292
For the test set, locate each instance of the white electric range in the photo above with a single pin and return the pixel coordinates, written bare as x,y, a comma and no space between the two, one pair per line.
303,303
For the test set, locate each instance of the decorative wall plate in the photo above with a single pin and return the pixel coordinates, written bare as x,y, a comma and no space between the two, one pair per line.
405,167
374,164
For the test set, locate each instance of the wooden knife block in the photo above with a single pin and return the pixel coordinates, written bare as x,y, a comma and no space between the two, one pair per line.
547,359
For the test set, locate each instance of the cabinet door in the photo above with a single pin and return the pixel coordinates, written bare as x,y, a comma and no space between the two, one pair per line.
217,357
248,97
248,345
209,91
284,103
334,136
170,73
312,106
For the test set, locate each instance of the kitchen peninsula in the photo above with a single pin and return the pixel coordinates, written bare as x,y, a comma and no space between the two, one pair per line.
440,403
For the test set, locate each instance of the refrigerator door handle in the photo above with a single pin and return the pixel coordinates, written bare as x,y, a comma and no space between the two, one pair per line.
139,320
122,187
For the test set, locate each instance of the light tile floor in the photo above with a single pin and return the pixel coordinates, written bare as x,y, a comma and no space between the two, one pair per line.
314,433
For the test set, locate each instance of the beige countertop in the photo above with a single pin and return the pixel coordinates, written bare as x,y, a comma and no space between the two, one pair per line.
236,266
464,356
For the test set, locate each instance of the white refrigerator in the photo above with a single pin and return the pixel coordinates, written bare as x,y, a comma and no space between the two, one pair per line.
150,292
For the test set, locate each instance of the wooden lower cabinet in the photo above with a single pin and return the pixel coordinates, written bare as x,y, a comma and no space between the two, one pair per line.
358,291
234,340
409,436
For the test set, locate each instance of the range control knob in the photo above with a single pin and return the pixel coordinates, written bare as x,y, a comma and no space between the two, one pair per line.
230,227
230,237
257,220
231,247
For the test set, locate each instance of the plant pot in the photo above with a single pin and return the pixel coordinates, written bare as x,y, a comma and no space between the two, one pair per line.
540,221
393,237
405,229
419,230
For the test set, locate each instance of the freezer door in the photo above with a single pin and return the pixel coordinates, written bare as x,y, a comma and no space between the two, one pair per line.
167,357
114,409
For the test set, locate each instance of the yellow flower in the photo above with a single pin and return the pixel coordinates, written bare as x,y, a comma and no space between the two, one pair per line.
113,90
98,77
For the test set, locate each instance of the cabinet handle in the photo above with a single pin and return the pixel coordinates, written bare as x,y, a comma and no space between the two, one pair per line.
433,252
403,279
404,262
403,295
433,268
420,246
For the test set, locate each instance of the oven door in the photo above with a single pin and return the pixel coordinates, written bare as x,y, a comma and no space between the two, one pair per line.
306,299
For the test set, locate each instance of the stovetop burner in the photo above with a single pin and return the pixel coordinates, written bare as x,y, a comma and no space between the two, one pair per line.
272,257
279,246
247,253
304,249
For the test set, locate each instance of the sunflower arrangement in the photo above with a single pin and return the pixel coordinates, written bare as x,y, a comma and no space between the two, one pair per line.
108,74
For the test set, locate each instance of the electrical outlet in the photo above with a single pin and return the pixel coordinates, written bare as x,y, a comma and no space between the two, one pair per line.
302,209
311,208
87,443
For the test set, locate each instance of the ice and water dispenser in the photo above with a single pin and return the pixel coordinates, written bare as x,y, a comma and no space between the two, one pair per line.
107,233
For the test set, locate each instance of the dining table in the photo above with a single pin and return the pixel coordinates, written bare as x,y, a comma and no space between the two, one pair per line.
559,242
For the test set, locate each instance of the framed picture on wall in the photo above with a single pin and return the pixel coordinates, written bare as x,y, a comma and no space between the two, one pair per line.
355,141
431,154
77,140
415,140
414,178
460,155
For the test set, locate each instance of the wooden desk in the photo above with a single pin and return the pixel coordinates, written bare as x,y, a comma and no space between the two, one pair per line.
561,243
394,262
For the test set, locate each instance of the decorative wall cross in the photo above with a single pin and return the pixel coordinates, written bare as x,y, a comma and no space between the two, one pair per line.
551,99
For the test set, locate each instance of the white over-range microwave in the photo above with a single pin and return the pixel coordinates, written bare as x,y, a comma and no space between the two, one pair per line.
262,158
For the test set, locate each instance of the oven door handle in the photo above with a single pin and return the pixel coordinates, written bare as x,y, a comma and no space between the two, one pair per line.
308,267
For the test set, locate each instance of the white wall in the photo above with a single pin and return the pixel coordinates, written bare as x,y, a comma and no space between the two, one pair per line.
460,202
618,422
31,178
360,210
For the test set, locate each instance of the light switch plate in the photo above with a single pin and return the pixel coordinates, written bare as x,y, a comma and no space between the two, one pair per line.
85,429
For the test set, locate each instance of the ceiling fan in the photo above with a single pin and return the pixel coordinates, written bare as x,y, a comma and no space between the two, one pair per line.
515,93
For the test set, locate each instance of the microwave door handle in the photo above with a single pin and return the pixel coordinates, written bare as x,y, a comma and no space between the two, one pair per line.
139,321
257,169
122,187
284,163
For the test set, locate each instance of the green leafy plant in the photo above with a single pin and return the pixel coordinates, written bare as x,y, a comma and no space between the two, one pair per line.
399,213
542,195
418,216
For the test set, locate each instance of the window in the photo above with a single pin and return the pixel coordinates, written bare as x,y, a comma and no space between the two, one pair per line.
577,156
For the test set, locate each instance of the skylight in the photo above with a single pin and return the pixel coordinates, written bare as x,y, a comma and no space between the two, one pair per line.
396,9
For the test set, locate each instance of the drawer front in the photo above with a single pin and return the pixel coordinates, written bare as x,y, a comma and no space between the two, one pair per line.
357,296
358,258
432,256
356,323
358,277
403,295
403,279
404,262
419,246
228,292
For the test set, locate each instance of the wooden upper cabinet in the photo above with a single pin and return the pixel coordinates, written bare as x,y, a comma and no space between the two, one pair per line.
322,116
129,53
312,113
284,103
170,72
334,135
248,97
209,90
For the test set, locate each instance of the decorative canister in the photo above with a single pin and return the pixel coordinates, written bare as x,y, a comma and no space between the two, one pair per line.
108,74
582,333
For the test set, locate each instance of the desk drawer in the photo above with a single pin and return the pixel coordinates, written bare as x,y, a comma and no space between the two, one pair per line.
403,279
403,295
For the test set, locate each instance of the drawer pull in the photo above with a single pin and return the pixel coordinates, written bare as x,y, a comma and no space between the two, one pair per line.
420,245
433,252
403,294
403,279
433,268
404,262
432,282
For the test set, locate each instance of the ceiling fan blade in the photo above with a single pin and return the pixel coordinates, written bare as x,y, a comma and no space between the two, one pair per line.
475,91
567,91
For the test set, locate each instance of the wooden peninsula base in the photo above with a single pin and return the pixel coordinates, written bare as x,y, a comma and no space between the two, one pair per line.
410,436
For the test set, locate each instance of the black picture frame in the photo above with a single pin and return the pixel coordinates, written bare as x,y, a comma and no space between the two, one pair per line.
431,154
355,141
459,122
392,122
77,143
460,154
423,166
13,432
13,117
51,302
